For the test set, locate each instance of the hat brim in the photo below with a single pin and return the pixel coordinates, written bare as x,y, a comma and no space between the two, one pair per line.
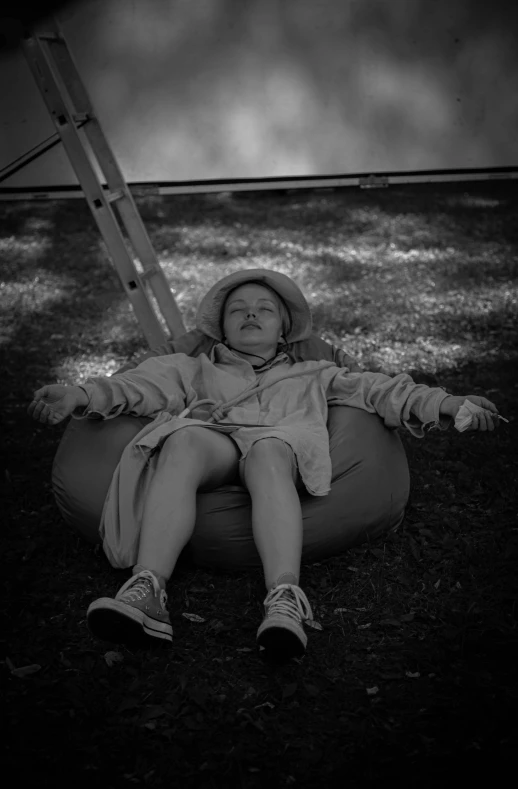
208,318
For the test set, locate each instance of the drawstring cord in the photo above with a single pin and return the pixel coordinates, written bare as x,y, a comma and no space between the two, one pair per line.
221,408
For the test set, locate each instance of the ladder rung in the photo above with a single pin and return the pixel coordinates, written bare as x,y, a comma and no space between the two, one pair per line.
112,196
150,272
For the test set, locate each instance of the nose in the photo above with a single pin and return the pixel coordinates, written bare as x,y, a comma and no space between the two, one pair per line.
250,312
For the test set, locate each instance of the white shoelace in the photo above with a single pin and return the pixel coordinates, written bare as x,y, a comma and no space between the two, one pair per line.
277,602
138,586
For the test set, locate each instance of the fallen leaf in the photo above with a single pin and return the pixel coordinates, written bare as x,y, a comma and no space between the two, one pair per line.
372,691
113,657
194,617
265,704
25,671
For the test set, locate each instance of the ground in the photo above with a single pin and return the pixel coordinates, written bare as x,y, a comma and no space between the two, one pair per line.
413,677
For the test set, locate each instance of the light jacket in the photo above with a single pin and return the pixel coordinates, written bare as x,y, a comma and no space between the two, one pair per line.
294,410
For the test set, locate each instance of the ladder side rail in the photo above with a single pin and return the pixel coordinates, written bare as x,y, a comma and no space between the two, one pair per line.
157,282
51,33
94,193
126,207
136,230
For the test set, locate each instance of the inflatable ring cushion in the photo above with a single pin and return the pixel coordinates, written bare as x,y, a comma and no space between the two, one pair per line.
369,489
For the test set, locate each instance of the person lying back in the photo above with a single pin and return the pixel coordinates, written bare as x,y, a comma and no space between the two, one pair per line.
244,414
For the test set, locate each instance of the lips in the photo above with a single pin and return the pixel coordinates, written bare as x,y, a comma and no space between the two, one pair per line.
250,323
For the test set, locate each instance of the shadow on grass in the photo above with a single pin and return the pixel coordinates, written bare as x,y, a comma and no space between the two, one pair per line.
61,298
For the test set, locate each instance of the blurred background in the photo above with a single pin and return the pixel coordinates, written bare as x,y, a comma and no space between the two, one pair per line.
218,89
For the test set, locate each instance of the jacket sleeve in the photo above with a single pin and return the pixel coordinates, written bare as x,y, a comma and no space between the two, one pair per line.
159,384
398,401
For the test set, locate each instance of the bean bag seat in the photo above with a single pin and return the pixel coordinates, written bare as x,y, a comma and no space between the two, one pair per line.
369,490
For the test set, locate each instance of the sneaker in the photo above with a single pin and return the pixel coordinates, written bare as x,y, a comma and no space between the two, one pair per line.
136,615
281,632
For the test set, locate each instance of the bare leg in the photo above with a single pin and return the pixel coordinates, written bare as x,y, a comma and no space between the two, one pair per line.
192,458
276,510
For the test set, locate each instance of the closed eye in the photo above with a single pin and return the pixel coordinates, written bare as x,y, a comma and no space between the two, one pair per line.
240,309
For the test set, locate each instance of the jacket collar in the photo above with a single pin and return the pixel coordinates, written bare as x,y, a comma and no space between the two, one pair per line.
221,354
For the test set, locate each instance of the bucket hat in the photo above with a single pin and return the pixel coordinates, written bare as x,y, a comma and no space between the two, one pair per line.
208,318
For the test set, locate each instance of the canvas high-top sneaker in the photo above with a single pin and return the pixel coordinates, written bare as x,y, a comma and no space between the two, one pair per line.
137,614
281,632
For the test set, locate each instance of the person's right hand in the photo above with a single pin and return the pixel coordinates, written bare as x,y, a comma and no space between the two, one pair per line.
51,404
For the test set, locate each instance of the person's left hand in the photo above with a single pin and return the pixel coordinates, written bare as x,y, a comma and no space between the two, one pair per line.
485,420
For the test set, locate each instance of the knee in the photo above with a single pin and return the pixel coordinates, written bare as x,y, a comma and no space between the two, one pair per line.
188,440
270,453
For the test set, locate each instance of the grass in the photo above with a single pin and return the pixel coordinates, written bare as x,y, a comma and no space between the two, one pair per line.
413,677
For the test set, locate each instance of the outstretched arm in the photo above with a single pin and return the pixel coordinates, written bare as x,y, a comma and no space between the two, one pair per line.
158,384
487,419
400,401
51,404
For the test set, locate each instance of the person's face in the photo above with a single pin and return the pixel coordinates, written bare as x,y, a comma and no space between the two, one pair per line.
252,320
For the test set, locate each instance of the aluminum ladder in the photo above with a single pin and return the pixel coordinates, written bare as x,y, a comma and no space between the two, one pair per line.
67,100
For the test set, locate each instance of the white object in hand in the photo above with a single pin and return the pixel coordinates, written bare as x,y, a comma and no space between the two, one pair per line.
465,413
